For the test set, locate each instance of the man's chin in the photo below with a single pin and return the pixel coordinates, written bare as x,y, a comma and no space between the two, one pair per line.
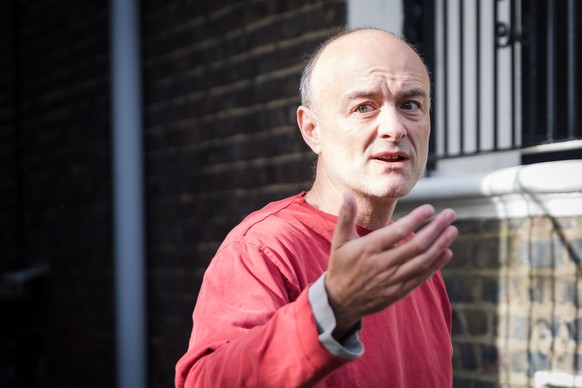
388,194
392,189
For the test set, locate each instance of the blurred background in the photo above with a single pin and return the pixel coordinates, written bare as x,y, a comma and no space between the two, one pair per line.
135,134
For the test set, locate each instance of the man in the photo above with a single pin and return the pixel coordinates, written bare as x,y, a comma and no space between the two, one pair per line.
322,288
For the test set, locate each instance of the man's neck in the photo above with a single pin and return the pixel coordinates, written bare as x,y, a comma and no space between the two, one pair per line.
373,213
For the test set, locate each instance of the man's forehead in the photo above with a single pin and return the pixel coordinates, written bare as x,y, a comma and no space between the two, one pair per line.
354,75
364,51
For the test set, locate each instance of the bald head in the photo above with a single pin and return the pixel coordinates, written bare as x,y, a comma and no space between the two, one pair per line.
366,114
349,44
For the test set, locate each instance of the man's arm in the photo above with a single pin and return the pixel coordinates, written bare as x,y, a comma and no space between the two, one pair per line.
246,330
350,346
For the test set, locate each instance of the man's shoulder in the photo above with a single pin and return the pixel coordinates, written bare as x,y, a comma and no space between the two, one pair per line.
283,207
272,219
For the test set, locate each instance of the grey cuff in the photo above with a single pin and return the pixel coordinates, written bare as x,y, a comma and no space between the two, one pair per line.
351,347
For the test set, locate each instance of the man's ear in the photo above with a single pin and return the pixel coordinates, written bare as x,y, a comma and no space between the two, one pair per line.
309,128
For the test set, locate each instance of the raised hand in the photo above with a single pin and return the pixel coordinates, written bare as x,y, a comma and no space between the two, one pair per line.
367,274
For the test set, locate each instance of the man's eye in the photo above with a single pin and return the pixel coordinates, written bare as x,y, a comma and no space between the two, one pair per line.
410,105
364,108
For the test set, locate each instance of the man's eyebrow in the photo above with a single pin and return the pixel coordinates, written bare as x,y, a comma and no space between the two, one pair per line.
415,92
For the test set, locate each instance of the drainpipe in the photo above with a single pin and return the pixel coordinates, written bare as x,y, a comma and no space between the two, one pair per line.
128,211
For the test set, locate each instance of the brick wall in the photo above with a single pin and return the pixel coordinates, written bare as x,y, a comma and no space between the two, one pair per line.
56,198
220,93
515,286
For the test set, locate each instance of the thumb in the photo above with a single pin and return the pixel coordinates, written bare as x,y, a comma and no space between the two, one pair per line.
345,230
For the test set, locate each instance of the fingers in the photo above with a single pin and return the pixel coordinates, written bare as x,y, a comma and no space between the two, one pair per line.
345,229
412,282
386,238
438,253
432,230
436,236
425,252
414,272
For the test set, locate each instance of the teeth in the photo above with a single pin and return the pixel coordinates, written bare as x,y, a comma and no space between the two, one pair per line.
391,157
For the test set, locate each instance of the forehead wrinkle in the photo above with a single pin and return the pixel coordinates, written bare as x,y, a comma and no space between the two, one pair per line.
383,87
364,91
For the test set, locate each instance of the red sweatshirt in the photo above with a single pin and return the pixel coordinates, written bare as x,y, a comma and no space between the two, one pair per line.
253,324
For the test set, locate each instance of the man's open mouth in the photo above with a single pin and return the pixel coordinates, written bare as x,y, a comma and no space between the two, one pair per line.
390,157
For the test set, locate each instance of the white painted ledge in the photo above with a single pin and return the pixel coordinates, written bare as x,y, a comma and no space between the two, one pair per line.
547,379
552,188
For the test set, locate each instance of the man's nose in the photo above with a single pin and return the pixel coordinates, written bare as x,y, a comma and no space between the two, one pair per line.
390,125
